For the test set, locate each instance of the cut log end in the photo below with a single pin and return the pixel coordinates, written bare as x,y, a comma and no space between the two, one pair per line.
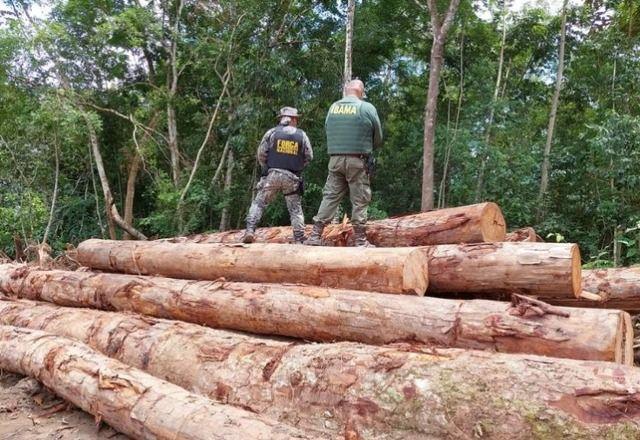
416,274
576,271
492,223
624,340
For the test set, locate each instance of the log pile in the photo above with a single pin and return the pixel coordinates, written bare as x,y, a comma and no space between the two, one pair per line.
390,360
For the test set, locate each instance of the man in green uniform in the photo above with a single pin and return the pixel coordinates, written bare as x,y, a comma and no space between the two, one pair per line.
353,131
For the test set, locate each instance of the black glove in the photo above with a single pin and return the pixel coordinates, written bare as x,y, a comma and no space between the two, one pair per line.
301,187
370,165
264,171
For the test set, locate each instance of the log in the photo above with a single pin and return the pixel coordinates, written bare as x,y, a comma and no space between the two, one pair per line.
465,224
523,234
398,270
320,314
539,269
357,391
616,288
131,401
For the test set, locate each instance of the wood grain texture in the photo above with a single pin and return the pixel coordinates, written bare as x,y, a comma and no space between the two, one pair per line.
478,223
131,401
320,314
397,270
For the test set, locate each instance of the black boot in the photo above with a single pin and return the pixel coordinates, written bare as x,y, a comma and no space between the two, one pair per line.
249,236
360,236
315,239
298,237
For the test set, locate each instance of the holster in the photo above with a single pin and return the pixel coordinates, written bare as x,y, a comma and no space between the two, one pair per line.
370,164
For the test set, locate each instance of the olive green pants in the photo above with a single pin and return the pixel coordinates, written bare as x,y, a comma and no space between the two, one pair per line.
346,173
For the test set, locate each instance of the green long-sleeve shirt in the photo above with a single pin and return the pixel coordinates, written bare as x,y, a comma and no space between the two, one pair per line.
353,127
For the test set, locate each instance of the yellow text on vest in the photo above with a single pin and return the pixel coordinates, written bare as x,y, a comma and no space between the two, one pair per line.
287,147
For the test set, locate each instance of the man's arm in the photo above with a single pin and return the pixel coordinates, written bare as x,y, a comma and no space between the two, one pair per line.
377,128
308,150
264,147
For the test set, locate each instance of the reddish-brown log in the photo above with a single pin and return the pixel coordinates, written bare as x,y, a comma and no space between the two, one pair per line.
397,270
523,234
539,269
321,314
617,288
357,391
465,224
131,401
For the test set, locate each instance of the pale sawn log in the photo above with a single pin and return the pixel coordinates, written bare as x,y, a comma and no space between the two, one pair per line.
360,391
538,269
131,401
397,270
478,223
320,314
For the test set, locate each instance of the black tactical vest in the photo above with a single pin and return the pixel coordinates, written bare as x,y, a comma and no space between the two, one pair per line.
287,150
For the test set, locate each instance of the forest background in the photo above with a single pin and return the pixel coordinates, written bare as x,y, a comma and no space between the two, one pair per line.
165,101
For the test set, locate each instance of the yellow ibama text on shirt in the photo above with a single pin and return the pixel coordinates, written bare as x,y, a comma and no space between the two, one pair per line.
341,109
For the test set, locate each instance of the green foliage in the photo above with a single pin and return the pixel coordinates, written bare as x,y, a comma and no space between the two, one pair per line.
85,56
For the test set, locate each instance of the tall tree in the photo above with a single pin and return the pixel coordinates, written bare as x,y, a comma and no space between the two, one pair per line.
348,46
494,101
544,176
440,27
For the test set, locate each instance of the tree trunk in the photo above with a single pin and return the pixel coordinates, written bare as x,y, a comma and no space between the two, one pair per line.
617,288
523,234
539,269
134,168
228,180
356,391
348,46
440,30
492,109
112,212
544,175
327,315
466,224
132,402
399,270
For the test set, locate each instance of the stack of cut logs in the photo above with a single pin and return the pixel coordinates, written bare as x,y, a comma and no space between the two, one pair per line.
338,342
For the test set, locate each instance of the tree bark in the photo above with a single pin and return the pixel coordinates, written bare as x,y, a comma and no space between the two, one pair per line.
539,269
132,176
131,401
494,101
326,315
523,234
348,46
395,392
400,270
617,288
440,30
228,180
544,175
112,212
466,224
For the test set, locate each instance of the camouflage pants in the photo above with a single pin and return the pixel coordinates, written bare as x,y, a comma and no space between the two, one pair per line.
346,173
269,187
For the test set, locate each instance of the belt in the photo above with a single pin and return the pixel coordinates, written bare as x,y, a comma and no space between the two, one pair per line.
349,154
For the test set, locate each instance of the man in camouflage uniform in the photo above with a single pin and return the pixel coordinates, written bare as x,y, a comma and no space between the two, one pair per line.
353,131
284,152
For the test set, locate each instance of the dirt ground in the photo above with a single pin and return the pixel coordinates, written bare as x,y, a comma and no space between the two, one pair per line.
29,411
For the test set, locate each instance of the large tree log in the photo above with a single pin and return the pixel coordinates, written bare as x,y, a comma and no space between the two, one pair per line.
320,314
540,269
616,288
131,401
465,224
523,234
357,391
398,270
